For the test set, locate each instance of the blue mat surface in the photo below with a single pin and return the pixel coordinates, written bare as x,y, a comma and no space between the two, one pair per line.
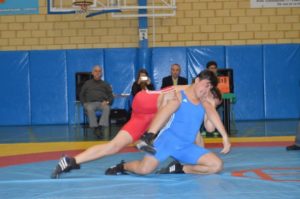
261,172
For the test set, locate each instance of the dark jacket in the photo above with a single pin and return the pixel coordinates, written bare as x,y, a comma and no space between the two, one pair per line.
167,81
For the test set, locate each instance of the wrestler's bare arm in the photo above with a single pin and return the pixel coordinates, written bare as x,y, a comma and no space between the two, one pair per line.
169,95
209,126
164,113
164,98
180,87
167,103
214,117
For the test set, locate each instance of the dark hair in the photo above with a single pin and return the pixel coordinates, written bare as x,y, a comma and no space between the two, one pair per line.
143,85
216,93
208,64
209,75
142,70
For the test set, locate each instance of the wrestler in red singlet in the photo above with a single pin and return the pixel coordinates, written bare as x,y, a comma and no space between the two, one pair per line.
144,108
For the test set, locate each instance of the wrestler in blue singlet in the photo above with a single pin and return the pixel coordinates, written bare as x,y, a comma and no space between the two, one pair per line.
177,138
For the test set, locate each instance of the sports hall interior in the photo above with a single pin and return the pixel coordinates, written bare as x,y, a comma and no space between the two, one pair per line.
41,119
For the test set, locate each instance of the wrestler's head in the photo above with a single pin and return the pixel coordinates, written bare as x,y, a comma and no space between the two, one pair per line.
204,82
208,75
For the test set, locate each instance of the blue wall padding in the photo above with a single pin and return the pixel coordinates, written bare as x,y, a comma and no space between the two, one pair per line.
14,88
248,80
120,72
48,80
197,57
80,61
38,87
282,75
163,58
144,57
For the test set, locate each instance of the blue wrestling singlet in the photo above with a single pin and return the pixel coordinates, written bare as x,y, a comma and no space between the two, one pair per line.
177,138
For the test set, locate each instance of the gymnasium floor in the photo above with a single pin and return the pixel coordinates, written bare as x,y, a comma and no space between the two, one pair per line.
257,167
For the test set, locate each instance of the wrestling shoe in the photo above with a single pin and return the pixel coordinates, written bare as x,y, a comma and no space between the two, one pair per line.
116,169
173,168
65,164
146,143
293,147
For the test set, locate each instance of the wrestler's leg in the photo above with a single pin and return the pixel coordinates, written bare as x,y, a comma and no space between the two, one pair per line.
66,164
121,140
145,166
207,164
142,167
198,160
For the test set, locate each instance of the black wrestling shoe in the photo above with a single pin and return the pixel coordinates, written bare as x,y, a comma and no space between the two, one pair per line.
173,168
146,143
293,147
116,169
65,164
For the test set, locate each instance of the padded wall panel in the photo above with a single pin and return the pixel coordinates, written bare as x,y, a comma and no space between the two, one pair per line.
282,78
41,84
48,76
80,61
163,58
247,65
120,71
197,57
14,86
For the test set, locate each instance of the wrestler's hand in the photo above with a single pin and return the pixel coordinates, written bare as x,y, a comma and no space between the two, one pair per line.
174,95
226,145
171,95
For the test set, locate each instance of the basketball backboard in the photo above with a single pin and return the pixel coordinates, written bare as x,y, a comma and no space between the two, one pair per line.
118,8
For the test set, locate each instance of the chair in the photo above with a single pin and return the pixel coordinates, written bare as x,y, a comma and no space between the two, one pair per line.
80,79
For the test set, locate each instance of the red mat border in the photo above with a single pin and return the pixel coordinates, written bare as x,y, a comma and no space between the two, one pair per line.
45,156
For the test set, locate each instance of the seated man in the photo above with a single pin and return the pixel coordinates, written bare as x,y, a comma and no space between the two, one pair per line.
96,95
177,138
174,78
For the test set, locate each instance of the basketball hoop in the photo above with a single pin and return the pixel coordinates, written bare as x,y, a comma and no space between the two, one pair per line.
83,6
117,8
